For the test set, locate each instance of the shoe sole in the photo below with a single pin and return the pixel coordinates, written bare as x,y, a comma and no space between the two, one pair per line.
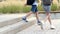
52,28
24,20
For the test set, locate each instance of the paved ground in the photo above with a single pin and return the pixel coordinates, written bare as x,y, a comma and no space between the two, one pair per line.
35,29
5,17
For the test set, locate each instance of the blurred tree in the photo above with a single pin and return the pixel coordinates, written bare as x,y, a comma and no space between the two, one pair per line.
0,0
58,1
58,4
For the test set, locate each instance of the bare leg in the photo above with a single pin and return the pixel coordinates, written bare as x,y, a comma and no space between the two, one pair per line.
39,22
24,18
48,17
37,16
28,14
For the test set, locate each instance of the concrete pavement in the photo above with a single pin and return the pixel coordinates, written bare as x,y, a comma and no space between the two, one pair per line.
31,27
35,29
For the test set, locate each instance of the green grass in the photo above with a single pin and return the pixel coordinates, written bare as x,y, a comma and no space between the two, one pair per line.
54,7
10,9
58,8
19,9
26,9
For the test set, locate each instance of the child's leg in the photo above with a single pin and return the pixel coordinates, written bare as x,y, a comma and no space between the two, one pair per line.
28,14
35,11
25,17
48,17
37,16
48,9
38,21
32,11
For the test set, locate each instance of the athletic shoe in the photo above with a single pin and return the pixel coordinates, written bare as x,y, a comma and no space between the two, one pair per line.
52,27
24,19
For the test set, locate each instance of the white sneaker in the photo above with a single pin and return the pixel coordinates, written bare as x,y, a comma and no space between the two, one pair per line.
52,27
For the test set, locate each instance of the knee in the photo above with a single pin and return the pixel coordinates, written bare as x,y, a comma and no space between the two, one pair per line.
48,14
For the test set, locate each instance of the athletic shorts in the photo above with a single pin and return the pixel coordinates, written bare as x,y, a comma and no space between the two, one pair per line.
34,8
47,8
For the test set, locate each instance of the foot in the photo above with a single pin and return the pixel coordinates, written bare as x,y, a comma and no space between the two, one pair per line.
24,19
52,27
40,23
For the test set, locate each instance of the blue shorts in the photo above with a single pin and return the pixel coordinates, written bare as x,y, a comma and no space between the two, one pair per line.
34,8
47,8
